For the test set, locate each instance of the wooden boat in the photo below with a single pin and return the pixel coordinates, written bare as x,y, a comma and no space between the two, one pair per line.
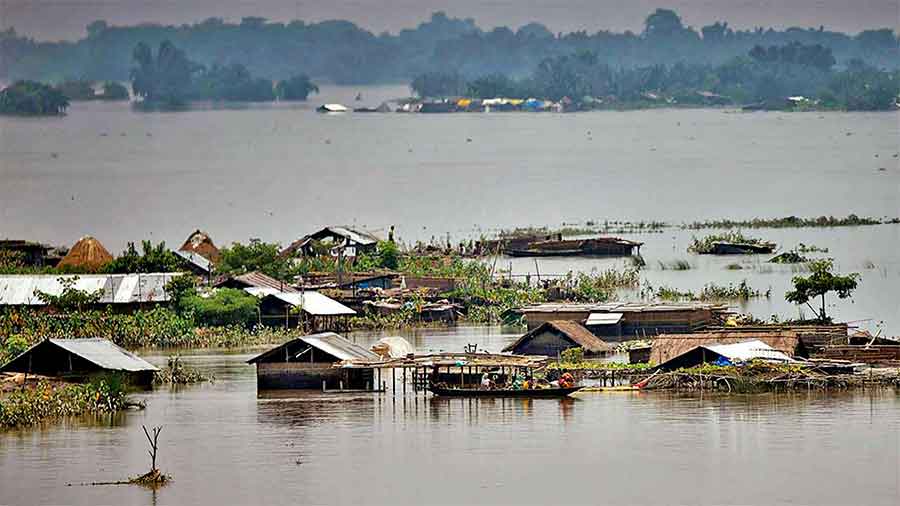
504,392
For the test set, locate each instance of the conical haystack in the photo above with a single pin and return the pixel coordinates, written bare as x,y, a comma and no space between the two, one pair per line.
200,243
87,253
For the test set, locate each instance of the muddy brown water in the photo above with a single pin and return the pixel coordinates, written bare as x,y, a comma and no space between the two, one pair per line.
225,444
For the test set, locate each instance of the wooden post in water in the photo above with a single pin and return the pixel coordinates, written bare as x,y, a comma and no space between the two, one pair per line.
394,382
404,382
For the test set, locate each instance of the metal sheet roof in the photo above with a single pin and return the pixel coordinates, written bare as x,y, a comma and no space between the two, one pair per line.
619,307
20,290
748,350
328,342
313,303
604,318
196,259
102,352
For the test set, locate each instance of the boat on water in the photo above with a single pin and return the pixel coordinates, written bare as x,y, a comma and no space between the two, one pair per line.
446,391
598,246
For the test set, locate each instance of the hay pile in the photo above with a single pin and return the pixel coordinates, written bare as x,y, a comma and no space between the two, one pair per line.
200,243
88,253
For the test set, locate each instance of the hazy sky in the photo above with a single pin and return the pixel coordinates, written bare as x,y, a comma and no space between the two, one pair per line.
66,19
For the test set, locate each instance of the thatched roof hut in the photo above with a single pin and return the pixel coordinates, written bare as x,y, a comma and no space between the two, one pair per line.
88,253
200,243
667,346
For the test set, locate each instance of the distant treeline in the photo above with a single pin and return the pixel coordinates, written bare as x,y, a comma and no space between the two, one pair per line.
766,77
342,52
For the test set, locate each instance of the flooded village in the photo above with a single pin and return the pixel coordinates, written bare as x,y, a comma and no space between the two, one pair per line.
400,257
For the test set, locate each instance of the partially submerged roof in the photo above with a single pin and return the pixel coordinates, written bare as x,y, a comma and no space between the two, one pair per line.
328,342
86,253
313,303
19,290
101,352
735,353
574,331
668,346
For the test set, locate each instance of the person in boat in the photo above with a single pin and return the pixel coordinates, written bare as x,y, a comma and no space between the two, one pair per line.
566,381
486,382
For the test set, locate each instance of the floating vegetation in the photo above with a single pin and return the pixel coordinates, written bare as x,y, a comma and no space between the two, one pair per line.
675,265
46,401
713,292
810,248
176,373
788,257
734,267
707,244
790,222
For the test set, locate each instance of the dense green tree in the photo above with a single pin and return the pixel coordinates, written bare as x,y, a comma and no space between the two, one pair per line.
114,91
225,306
28,98
296,88
231,82
255,256
151,259
77,89
439,85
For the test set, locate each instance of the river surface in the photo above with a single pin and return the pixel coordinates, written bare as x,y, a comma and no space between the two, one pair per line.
224,443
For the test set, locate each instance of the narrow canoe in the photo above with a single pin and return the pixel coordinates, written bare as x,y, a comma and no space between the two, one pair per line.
473,392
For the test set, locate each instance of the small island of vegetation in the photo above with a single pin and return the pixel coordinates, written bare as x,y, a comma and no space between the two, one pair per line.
29,98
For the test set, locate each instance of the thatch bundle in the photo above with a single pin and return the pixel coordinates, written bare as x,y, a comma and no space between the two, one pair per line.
200,243
88,253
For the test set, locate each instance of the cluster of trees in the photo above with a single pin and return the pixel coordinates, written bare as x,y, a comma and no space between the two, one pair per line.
28,98
83,89
766,75
342,52
170,77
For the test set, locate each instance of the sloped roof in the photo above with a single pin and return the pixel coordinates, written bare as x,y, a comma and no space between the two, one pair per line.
88,253
19,290
328,342
668,346
604,318
258,280
739,352
196,259
573,330
199,242
393,347
102,352
313,303
352,234
620,307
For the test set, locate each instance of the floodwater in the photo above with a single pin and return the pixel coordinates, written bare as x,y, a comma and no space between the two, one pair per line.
225,444
278,171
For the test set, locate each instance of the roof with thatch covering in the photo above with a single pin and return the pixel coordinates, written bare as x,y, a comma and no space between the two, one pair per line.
668,346
87,253
571,330
199,242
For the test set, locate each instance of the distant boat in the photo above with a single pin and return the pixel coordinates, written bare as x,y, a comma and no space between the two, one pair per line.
359,97
332,108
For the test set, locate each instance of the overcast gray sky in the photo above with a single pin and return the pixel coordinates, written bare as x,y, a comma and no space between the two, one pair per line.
66,19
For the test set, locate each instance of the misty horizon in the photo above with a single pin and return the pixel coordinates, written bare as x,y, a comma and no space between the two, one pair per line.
66,20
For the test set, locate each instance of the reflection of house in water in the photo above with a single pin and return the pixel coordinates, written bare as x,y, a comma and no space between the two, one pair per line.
308,362
79,359
620,321
554,337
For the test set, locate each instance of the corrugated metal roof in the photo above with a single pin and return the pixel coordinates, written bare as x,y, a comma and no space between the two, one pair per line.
196,259
604,318
328,342
105,354
313,303
619,307
748,350
18,290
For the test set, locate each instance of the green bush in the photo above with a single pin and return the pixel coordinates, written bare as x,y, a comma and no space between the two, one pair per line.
227,306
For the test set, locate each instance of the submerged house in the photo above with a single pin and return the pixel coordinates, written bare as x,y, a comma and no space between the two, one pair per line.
667,347
725,354
553,337
79,359
310,362
309,310
352,241
622,321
